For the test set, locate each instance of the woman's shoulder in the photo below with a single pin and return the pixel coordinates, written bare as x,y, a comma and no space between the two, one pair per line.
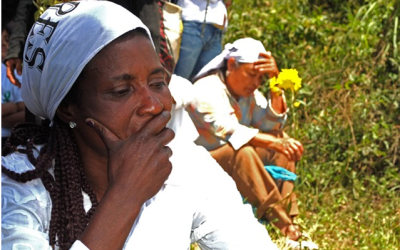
18,162
26,205
15,191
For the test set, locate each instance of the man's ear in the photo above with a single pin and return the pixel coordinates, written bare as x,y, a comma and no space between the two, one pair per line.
65,112
231,64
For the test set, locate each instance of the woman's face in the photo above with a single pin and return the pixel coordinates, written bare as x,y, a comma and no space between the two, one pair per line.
243,79
123,87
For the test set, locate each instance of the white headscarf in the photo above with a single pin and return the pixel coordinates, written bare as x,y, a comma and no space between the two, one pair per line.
245,50
60,44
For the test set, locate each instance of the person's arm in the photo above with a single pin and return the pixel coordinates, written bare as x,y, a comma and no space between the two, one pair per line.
14,65
11,120
8,108
228,3
267,65
278,102
12,113
290,147
273,113
13,59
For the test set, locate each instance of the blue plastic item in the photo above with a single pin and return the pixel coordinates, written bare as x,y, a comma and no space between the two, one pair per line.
280,173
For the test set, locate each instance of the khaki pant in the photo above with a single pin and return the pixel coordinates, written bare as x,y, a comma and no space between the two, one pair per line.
274,200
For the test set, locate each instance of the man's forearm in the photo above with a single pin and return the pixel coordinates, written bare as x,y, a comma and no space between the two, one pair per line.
278,102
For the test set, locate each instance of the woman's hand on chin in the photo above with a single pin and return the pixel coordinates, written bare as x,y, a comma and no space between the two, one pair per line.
139,164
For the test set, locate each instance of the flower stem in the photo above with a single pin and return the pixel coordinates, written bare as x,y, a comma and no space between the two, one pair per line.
294,116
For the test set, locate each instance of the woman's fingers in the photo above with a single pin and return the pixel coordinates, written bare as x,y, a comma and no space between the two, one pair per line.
157,127
156,124
104,133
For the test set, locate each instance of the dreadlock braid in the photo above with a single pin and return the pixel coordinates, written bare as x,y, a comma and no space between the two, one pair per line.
68,217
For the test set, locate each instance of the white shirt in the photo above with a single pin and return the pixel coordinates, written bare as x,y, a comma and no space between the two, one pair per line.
182,91
195,10
220,118
199,202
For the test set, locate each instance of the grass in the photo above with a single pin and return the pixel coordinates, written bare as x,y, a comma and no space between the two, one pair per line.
352,218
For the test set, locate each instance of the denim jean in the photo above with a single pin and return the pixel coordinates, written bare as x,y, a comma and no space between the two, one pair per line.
198,47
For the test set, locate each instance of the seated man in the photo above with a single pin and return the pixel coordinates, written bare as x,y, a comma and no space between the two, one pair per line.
243,130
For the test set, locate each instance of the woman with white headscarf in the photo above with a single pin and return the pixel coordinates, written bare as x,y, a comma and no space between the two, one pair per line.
243,130
103,171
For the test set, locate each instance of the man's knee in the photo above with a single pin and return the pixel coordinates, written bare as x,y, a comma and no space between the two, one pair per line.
247,150
248,154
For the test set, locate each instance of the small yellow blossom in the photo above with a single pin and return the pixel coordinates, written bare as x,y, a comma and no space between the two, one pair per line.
296,104
287,79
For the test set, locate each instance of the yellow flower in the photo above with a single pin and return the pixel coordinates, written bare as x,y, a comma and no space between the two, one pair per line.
274,85
296,104
289,79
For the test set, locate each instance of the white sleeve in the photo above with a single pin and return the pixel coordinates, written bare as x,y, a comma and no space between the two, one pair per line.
25,210
264,116
223,221
25,215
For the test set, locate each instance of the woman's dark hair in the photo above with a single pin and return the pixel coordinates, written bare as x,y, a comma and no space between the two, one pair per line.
68,216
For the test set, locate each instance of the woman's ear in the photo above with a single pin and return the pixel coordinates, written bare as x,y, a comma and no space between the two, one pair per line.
65,112
231,64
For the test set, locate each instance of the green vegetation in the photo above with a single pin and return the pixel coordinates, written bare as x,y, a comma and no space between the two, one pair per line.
348,55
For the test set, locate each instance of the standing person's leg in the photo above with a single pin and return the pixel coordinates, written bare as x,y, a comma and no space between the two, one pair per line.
191,46
253,182
150,16
212,39
270,157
